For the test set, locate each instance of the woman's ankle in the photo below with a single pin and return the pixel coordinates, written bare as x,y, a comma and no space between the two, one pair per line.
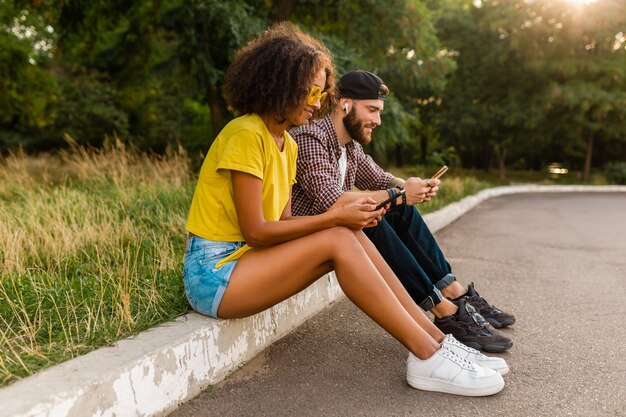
425,350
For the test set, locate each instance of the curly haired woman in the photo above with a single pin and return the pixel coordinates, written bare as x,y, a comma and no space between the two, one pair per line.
247,253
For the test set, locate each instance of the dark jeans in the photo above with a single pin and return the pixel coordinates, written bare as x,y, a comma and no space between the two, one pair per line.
411,251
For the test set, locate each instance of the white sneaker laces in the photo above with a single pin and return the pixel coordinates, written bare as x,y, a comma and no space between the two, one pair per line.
447,353
452,340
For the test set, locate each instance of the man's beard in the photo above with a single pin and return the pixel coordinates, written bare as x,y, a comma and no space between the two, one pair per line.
356,128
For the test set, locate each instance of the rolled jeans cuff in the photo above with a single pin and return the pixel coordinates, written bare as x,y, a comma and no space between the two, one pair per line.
445,281
432,300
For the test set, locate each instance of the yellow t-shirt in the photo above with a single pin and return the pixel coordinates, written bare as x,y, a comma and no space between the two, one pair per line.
243,145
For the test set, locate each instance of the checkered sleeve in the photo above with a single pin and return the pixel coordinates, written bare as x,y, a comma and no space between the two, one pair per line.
369,176
317,177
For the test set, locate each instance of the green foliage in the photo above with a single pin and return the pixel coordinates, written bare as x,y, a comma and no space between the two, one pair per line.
403,49
447,156
88,109
503,83
123,67
536,81
615,172
484,117
25,84
209,32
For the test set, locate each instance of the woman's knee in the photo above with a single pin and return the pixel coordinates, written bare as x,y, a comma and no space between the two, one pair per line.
359,234
341,238
340,232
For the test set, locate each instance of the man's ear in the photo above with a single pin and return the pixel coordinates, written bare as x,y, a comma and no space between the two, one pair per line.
345,104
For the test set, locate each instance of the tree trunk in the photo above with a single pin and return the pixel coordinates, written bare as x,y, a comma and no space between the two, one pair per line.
486,162
588,155
282,9
399,155
214,99
500,152
424,147
502,169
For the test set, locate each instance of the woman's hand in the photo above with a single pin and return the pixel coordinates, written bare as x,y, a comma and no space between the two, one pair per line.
359,214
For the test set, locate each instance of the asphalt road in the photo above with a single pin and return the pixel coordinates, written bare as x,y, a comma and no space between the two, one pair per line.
558,261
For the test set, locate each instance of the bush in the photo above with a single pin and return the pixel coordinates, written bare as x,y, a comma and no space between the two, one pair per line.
615,172
88,109
25,90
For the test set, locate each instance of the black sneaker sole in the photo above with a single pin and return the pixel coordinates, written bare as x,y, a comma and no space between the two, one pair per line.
493,347
500,324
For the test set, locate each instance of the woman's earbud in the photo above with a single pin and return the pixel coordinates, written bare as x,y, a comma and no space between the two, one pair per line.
345,107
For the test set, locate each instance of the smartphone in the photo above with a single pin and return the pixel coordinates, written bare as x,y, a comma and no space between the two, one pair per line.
439,173
389,200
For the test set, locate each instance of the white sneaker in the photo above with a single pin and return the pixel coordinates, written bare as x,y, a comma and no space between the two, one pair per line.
472,355
446,372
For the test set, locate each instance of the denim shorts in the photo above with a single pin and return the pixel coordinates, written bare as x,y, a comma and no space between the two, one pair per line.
204,283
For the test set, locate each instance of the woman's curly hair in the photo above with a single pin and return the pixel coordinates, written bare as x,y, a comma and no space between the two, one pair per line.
274,72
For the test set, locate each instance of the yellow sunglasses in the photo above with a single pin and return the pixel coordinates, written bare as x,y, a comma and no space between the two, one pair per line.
316,94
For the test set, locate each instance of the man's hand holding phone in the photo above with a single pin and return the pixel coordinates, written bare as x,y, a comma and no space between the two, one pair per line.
422,190
433,182
416,189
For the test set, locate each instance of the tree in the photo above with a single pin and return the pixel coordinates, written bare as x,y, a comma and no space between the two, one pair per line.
25,85
399,43
587,72
488,105
527,87
209,32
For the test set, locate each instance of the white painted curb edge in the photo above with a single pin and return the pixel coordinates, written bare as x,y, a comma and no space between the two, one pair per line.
443,217
153,372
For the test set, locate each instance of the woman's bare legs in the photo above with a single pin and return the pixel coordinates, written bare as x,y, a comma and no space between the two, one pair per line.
264,277
398,289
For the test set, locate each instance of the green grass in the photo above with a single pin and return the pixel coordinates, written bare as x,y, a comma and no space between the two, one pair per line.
91,252
453,187
92,247
458,183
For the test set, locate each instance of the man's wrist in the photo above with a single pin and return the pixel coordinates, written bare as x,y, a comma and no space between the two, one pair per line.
396,182
399,187
392,192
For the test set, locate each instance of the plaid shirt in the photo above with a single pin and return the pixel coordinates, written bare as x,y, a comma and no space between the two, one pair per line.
317,176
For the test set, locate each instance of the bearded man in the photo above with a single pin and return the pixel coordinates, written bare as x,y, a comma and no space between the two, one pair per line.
331,163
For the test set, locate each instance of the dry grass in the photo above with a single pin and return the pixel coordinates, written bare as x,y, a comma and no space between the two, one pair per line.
91,250
453,189
455,185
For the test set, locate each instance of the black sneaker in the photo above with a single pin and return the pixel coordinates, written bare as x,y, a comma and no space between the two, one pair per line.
496,317
469,327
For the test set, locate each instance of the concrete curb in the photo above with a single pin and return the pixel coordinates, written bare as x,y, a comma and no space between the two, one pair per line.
443,217
152,373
